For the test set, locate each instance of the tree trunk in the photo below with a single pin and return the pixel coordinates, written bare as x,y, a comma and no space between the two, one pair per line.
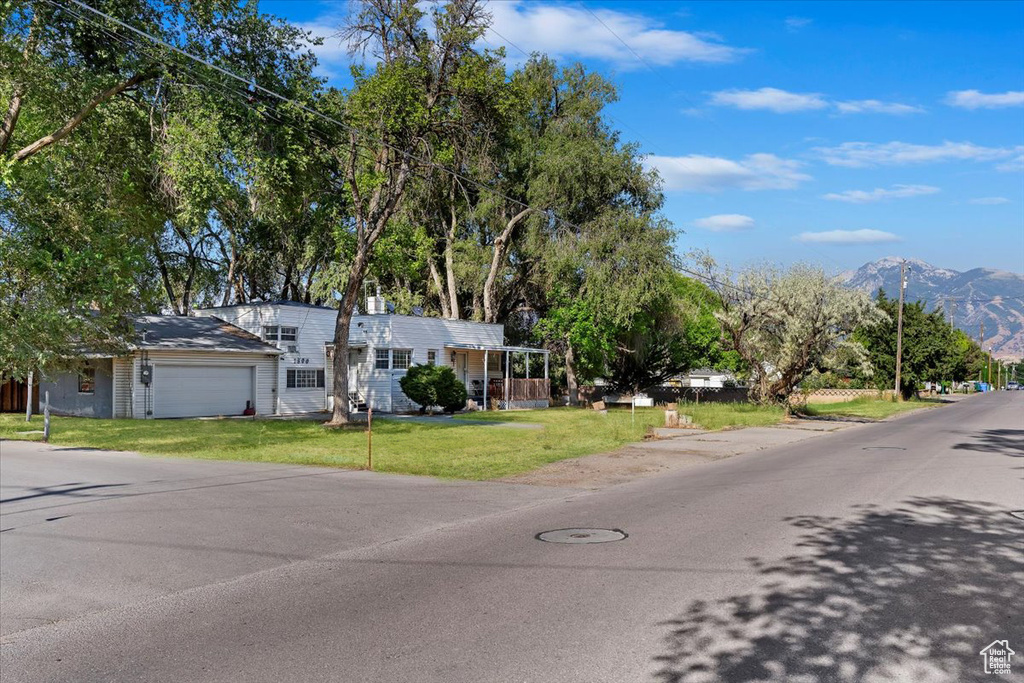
501,245
570,376
449,266
165,277
441,294
477,306
340,414
14,109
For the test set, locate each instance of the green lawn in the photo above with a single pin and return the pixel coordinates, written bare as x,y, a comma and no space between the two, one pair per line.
453,449
446,449
875,408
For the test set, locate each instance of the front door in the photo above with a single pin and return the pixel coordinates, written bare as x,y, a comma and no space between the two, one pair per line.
353,370
462,368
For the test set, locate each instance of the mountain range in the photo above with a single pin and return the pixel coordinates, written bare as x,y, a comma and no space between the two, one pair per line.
976,296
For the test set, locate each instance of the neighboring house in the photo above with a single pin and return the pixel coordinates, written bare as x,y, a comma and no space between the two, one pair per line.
703,377
382,347
177,367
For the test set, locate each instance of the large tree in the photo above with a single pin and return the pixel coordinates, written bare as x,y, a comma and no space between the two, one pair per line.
393,112
932,349
120,160
785,324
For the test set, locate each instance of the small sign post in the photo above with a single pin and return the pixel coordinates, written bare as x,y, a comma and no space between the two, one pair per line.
369,438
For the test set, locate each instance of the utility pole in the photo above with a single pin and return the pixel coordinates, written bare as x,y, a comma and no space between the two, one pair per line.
981,346
899,328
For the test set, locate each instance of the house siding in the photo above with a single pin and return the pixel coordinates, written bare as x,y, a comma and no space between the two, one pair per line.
123,386
380,388
66,400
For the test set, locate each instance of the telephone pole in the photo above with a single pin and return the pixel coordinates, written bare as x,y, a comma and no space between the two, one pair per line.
981,346
899,328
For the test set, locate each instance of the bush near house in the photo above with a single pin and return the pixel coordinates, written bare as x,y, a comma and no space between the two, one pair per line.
434,385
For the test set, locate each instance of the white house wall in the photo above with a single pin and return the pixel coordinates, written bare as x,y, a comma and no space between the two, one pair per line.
315,326
379,388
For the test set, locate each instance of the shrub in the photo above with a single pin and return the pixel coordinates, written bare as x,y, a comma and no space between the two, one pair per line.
434,385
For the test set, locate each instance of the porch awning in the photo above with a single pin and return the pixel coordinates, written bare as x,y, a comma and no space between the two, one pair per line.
487,347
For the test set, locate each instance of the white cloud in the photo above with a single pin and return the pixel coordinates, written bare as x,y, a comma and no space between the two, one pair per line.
797,23
989,201
1014,164
865,154
973,99
876,107
785,102
879,193
864,236
772,99
725,222
332,55
569,31
696,173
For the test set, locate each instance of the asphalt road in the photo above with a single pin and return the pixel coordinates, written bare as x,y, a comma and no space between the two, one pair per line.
879,553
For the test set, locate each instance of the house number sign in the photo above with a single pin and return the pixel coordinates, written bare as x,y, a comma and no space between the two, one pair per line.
300,361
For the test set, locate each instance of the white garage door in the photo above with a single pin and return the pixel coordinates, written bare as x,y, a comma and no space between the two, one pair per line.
201,390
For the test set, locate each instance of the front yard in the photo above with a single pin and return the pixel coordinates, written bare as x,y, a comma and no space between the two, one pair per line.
445,448
460,448
455,449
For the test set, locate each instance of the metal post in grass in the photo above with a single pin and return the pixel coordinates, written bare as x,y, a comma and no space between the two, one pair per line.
46,418
369,438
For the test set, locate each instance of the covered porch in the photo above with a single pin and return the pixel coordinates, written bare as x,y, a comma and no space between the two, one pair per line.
502,377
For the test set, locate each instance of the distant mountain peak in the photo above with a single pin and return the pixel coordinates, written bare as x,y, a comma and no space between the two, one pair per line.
980,294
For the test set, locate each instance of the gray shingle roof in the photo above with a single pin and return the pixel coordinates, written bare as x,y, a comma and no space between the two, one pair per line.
171,332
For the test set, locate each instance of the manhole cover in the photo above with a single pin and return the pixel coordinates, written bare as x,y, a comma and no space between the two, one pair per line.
581,535
1019,514
883,448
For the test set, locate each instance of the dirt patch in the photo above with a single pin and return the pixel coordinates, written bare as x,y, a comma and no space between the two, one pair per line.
607,469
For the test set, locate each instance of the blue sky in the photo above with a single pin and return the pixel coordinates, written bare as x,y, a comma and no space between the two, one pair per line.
835,133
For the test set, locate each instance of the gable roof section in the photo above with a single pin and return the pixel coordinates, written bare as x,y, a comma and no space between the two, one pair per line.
208,333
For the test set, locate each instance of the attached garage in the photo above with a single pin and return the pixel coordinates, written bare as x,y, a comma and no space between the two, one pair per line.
194,367
202,390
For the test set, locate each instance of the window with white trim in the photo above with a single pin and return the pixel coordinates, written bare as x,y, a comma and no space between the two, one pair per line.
401,359
282,336
432,357
87,381
305,378
383,359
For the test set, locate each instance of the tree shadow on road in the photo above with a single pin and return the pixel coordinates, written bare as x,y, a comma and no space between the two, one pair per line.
1005,441
909,594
